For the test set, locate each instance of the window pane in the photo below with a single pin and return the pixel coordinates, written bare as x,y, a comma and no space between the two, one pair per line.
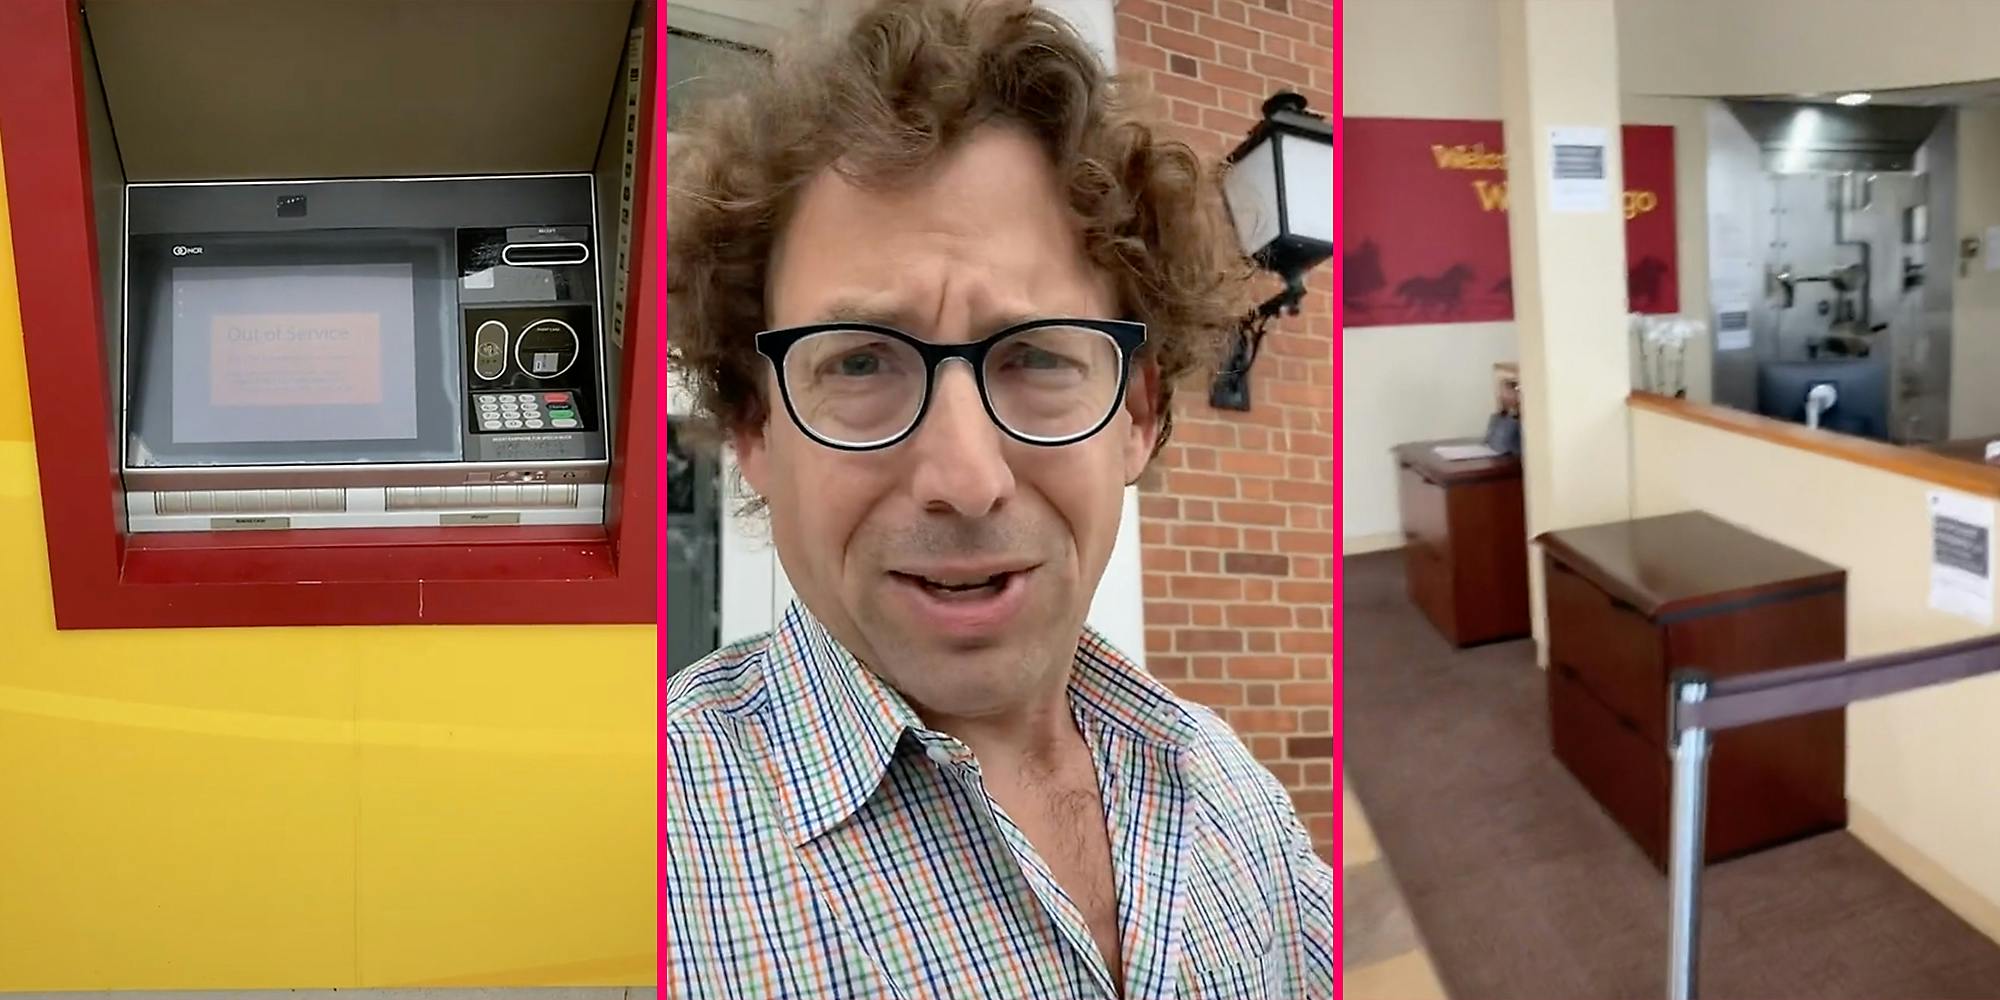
694,553
699,67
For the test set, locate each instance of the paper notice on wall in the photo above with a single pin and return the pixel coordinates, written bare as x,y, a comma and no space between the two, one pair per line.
1732,326
1962,555
1579,170
1993,248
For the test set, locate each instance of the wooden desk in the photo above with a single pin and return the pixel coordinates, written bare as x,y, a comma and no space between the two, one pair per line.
1466,542
1628,604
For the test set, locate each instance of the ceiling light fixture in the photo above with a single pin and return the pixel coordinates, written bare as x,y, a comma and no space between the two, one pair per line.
1854,99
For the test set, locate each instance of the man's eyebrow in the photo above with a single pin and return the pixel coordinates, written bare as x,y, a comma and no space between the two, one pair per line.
861,312
1001,321
855,311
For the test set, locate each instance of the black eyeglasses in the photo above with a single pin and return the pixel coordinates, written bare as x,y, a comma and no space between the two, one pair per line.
859,386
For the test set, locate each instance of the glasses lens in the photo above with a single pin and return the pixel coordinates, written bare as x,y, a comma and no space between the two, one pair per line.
1053,382
854,387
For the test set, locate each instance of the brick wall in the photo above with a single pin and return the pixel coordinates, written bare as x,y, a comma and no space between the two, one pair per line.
1237,518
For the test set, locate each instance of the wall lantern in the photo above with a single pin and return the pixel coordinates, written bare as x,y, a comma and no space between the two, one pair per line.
1279,190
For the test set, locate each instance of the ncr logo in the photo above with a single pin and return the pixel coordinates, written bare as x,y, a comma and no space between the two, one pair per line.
291,206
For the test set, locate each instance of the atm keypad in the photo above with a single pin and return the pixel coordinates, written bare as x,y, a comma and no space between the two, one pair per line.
500,412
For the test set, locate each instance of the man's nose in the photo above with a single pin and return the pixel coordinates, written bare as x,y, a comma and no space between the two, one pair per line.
960,466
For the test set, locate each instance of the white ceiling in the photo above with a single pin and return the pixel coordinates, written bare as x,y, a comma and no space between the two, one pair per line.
1979,93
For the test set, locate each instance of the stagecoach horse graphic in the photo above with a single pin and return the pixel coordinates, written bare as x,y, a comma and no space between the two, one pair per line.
1361,276
1442,294
1643,281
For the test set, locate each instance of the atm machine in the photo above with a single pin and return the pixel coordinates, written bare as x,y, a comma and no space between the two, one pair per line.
363,353
339,313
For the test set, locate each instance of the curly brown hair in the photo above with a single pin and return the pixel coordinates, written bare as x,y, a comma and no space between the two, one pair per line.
907,81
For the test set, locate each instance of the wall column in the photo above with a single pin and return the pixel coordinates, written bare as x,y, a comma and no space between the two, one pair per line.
1096,21
1559,70
1119,608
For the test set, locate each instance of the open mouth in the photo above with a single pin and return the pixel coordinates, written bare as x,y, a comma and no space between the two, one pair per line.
972,603
960,590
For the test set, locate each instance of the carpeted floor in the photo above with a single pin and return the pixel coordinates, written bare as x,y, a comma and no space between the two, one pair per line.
1522,888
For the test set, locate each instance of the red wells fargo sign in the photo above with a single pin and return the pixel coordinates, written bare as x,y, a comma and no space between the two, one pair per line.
1425,236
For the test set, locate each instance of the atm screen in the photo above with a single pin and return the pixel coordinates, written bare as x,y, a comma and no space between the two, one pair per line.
294,353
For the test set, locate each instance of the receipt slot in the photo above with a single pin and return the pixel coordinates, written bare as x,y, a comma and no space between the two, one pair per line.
369,348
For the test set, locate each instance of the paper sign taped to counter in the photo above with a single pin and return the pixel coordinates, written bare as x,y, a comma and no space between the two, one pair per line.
1962,555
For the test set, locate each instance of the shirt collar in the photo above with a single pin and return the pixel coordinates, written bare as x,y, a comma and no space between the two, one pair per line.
1111,689
834,727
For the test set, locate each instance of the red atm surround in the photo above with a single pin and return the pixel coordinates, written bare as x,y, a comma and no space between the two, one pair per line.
103,578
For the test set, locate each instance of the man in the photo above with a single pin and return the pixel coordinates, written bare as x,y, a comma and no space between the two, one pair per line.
935,280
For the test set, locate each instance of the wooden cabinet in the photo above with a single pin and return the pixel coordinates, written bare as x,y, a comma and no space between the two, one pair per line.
1632,602
1465,543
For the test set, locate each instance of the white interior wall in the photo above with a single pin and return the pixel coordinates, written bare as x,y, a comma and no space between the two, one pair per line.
1440,59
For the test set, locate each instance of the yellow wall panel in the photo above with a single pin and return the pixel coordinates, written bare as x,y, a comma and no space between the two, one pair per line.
338,807
551,817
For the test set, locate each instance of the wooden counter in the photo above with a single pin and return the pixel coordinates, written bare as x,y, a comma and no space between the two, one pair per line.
1629,603
1466,534
1965,450
1944,468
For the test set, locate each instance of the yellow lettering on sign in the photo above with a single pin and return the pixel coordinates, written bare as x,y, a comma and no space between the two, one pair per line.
1473,157
1638,203
1492,197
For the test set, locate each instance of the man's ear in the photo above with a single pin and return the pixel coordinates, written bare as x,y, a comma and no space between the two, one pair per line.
1142,404
752,453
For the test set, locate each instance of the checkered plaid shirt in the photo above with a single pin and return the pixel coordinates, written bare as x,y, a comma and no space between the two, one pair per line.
823,845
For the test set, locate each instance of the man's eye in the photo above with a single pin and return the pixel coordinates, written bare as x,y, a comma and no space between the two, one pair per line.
853,365
1031,357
